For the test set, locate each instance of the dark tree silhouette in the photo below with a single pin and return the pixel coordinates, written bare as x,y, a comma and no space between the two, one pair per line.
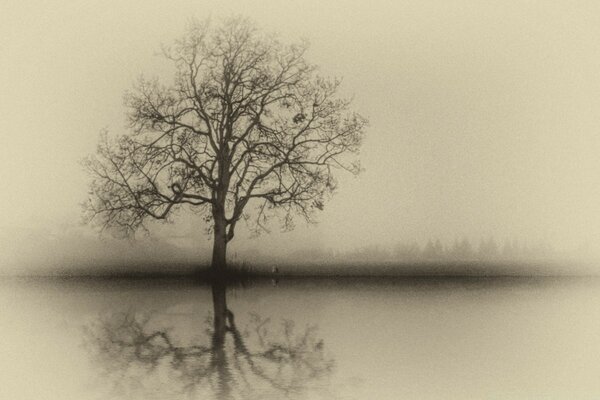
233,364
247,125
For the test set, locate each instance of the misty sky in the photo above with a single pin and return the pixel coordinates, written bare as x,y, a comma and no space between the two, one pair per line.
484,115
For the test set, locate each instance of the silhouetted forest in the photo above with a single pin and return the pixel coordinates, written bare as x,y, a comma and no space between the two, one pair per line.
434,250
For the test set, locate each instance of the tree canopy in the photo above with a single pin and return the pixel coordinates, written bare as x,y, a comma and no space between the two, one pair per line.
247,130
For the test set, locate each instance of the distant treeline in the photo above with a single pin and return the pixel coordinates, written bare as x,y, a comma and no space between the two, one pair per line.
436,250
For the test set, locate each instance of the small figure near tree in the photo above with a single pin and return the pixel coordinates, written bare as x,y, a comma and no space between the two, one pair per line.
248,130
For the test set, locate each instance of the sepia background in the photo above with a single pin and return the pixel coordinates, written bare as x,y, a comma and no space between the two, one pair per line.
481,161
484,122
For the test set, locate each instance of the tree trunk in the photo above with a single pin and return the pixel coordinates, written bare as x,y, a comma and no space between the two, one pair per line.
219,256
219,358
219,311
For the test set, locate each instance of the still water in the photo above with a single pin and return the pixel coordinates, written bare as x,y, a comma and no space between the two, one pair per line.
526,338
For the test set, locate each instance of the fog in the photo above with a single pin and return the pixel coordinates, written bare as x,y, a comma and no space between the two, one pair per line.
484,122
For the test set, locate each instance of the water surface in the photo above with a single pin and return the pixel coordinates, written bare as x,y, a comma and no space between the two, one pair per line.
503,338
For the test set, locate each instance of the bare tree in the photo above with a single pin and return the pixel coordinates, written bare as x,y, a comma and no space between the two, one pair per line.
247,125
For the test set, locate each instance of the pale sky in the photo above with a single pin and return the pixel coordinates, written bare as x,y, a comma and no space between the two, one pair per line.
484,115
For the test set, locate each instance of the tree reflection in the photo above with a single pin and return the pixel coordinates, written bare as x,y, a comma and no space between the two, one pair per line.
255,361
